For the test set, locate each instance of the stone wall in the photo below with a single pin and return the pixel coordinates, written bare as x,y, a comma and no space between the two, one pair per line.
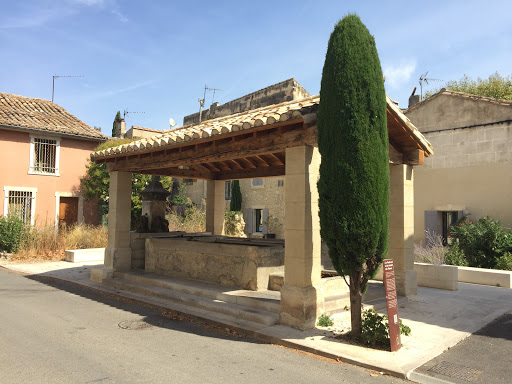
472,159
240,266
285,91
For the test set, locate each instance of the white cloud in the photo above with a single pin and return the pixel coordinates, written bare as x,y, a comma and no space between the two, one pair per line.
397,75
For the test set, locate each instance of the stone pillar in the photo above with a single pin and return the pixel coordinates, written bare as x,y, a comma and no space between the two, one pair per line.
401,228
215,207
118,254
302,300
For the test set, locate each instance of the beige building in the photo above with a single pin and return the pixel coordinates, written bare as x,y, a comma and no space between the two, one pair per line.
471,172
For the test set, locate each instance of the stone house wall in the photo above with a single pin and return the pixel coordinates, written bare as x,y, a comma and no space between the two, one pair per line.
470,170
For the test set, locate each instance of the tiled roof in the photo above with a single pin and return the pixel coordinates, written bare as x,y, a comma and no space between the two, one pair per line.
147,129
449,92
26,112
297,109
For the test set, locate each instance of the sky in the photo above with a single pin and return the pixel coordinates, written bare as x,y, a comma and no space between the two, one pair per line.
153,58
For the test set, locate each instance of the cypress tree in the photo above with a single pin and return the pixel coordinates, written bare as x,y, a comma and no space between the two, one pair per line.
236,196
354,172
114,127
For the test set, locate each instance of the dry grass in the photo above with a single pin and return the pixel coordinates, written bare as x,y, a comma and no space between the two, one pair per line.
193,221
43,244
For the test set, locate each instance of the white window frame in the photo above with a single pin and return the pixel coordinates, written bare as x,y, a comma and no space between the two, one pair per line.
8,189
32,159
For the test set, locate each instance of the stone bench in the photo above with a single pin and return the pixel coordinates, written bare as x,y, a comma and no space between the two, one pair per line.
82,255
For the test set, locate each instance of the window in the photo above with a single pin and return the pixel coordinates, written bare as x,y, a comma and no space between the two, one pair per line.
440,221
258,183
227,190
258,220
188,181
280,183
44,156
20,202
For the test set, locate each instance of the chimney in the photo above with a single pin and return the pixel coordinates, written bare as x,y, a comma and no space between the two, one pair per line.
414,99
120,128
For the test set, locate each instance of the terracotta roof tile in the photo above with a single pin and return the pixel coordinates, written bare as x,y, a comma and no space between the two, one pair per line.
26,112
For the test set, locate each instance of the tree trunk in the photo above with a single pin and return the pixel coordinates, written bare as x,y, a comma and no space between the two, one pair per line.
355,302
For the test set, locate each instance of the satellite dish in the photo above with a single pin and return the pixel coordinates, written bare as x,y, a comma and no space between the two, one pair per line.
172,123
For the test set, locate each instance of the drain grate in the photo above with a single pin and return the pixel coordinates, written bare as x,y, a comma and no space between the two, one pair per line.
134,325
456,371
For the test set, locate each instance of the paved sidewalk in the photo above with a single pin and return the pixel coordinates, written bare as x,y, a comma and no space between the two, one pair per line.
438,319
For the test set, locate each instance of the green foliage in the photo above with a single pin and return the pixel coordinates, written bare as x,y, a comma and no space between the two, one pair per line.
496,86
455,256
234,223
96,182
375,328
353,142
114,127
504,262
483,242
236,196
324,320
194,220
12,233
181,199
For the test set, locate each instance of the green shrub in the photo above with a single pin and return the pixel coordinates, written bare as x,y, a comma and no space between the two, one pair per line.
504,262
235,204
234,224
12,233
455,256
483,242
375,328
324,320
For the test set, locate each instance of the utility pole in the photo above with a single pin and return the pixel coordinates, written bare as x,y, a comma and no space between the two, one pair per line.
57,76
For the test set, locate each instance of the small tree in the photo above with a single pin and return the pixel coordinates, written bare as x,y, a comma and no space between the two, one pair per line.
496,86
236,196
114,124
96,182
354,173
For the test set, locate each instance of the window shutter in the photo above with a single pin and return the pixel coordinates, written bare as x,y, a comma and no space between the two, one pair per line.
264,219
249,224
430,223
460,215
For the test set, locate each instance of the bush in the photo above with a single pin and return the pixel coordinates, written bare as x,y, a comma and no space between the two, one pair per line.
482,243
504,262
193,220
455,256
433,252
234,224
12,233
375,328
324,320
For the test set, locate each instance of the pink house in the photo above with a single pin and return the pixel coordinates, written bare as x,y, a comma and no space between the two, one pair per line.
43,153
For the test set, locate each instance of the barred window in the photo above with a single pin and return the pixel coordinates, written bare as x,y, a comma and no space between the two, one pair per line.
257,182
44,156
20,205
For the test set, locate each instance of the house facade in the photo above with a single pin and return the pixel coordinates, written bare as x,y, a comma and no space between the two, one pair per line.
471,172
43,150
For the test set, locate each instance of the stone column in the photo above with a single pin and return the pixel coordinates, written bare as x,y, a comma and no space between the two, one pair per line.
215,207
302,300
118,254
401,228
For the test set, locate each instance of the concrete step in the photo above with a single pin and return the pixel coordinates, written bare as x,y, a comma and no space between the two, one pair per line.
263,300
225,308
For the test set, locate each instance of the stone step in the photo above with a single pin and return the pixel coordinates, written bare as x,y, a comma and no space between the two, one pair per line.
263,300
234,310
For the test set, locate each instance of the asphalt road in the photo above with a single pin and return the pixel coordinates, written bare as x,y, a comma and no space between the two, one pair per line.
58,332
484,357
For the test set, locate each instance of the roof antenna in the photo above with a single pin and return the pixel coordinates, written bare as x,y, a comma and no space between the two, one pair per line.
201,101
56,77
126,112
424,79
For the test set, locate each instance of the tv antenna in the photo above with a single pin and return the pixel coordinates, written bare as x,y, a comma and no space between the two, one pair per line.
56,77
126,112
424,79
201,101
